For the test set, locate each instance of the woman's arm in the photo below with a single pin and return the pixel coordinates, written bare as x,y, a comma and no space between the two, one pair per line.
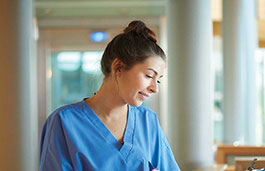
54,153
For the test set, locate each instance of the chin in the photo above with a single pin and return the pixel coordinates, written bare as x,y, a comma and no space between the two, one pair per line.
136,103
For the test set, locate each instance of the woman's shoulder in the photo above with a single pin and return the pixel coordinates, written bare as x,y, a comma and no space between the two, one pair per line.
67,111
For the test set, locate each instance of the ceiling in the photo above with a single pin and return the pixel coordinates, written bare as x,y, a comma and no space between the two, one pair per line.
99,8
52,13
111,13
76,9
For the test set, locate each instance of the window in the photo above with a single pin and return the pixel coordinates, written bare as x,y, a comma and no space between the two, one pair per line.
218,94
75,75
260,58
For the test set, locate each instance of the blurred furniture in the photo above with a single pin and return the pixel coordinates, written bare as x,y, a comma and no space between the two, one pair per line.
244,156
223,151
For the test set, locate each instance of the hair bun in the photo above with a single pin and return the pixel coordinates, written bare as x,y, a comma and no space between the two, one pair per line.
139,27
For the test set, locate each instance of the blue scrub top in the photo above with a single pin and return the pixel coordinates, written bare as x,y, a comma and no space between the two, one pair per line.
74,138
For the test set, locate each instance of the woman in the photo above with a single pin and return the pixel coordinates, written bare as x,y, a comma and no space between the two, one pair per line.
111,131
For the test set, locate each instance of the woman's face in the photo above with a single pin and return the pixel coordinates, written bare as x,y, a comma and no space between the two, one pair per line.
141,81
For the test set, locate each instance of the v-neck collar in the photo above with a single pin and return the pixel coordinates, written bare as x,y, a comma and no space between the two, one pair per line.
124,148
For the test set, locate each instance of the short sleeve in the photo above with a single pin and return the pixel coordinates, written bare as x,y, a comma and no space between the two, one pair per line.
54,152
167,159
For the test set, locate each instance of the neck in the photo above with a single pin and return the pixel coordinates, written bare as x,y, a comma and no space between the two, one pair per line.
107,102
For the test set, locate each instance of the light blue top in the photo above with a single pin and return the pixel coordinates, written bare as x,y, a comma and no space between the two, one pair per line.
74,138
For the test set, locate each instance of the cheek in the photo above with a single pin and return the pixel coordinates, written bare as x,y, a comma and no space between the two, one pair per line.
141,82
136,82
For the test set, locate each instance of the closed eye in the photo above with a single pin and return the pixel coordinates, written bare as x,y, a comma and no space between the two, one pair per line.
148,76
158,81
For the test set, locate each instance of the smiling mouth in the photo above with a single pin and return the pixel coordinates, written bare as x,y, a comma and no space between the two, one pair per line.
144,96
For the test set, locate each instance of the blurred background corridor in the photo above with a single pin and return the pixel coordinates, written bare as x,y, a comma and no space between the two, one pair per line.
213,94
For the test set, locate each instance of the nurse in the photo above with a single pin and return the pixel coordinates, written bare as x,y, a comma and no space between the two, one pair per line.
111,131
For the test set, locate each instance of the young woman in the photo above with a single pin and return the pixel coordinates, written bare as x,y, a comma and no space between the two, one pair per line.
111,131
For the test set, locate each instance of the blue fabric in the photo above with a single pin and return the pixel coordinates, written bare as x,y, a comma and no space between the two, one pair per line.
74,138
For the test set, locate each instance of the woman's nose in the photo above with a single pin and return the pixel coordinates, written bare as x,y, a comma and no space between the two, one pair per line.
153,88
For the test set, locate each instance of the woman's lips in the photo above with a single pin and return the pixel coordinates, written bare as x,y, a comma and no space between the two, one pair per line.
144,96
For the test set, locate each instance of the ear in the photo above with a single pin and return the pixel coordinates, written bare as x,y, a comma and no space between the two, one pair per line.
116,66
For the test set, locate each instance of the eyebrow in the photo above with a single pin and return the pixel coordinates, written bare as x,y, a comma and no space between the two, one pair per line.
155,72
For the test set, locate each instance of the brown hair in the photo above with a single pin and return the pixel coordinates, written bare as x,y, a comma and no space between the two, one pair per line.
133,46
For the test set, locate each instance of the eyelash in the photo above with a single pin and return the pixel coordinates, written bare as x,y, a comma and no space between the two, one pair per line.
148,76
